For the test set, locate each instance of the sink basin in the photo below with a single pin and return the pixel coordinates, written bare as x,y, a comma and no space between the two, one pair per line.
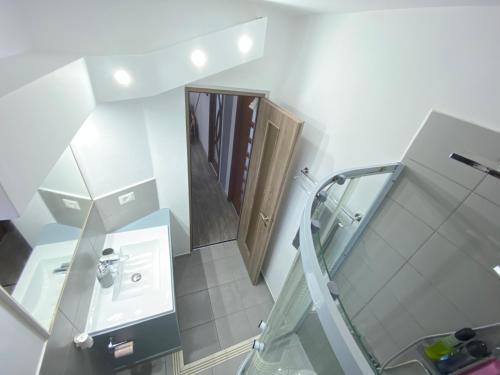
139,272
143,281
38,287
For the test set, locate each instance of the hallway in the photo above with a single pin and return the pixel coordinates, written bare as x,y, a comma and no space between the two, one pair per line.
213,217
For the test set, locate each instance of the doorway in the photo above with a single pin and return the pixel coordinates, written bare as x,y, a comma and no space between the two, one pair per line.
221,131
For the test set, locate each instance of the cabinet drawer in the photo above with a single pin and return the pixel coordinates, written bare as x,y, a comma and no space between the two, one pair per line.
151,338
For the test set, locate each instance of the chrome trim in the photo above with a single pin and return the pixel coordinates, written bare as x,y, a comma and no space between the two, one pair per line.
490,170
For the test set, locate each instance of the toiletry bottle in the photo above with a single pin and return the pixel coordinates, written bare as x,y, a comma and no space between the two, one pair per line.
445,345
462,356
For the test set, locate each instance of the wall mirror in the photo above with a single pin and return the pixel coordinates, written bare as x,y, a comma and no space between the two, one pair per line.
36,249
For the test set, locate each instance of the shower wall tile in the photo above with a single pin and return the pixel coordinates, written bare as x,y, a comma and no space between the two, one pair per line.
460,280
371,265
489,188
475,229
442,135
375,336
394,317
426,194
425,304
393,224
443,220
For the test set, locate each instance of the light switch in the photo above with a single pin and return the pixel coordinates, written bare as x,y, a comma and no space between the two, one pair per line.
126,198
69,203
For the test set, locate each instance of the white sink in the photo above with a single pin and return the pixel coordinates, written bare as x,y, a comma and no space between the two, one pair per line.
139,273
143,280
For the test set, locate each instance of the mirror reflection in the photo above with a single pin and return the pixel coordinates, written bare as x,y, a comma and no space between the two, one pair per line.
36,249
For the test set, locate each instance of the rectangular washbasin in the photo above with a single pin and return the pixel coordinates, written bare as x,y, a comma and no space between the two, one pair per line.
143,280
139,272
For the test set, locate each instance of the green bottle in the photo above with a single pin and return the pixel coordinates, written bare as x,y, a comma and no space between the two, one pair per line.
445,345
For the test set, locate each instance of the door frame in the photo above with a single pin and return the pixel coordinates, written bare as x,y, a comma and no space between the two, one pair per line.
208,90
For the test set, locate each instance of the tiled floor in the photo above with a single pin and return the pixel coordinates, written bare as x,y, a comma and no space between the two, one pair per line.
213,217
163,366
216,303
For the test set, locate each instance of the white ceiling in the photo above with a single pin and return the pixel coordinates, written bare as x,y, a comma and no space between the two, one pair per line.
342,6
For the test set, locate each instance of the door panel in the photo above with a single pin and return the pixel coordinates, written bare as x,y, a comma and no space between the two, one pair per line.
242,150
276,135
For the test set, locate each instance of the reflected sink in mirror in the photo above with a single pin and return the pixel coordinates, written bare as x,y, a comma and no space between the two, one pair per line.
142,285
43,239
42,279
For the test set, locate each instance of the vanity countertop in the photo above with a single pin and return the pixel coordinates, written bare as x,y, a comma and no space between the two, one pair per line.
143,286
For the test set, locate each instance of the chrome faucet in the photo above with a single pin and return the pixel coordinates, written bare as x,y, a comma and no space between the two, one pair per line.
63,268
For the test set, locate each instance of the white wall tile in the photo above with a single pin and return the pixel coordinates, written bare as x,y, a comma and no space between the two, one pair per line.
400,229
398,322
489,188
475,229
427,194
442,135
375,336
116,216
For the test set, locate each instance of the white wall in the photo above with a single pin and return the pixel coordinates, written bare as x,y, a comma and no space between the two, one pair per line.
65,176
21,347
166,124
33,219
202,115
119,28
37,121
14,38
112,148
365,82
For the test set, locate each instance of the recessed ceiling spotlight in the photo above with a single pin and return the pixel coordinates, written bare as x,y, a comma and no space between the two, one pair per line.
122,77
497,269
198,58
245,44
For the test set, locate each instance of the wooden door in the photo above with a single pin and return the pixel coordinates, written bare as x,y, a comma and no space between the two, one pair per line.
276,135
244,131
215,131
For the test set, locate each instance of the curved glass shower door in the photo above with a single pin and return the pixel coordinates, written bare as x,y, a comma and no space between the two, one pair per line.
307,331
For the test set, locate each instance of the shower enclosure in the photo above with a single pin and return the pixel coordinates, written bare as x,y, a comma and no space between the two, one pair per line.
309,331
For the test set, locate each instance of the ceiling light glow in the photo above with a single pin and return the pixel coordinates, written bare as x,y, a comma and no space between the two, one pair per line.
122,77
497,269
245,44
198,58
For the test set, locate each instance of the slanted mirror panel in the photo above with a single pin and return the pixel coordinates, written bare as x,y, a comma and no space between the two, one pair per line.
36,249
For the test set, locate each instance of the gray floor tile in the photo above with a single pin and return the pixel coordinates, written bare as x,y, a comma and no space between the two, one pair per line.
194,309
225,299
257,313
192,280
199,342
184,263
238,267
154,367
233,329
253,294
219,272
205,253
229,367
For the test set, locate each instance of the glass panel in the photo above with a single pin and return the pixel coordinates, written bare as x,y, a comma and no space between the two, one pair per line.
37,248
294,341
338,218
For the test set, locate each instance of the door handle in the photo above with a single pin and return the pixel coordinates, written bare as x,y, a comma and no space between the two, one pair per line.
265,219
